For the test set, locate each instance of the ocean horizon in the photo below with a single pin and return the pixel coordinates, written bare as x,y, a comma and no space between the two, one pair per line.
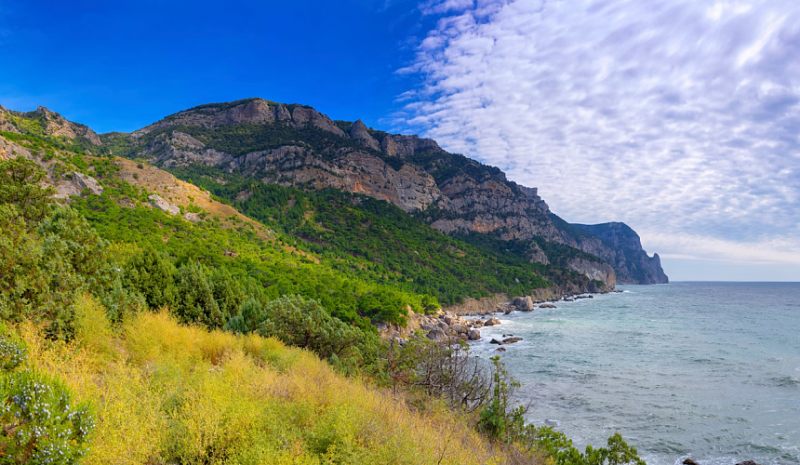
693,369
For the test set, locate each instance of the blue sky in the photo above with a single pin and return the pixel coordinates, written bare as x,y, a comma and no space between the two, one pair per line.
679,117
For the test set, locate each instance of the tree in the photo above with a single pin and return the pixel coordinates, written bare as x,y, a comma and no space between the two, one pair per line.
195,301
20,185
152,275
228,293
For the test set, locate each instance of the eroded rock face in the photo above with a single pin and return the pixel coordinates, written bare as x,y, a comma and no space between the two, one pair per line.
359,132
631,262
406,146
257,111
179,149
5,122
158,202
594,270
83,182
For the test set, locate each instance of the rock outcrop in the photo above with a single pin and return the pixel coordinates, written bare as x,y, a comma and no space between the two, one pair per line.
56,125
359,132
630,261
457,195
255,111
597,271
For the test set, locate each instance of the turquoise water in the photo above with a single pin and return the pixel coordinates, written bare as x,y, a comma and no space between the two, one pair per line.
709,371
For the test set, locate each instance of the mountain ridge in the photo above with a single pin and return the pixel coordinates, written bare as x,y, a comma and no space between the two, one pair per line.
294,145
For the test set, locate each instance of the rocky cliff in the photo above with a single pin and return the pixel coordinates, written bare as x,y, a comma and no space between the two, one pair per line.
294,145
630,259
47,123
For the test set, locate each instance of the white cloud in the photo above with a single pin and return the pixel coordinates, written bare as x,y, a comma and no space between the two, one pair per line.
678,117
444,6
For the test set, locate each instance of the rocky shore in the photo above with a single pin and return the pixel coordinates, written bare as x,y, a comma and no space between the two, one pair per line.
450,323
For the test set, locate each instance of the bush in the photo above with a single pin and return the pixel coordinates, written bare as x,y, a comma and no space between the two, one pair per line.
39,422
305,323
440,370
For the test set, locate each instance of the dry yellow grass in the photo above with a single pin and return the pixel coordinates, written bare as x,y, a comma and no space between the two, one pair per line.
166,393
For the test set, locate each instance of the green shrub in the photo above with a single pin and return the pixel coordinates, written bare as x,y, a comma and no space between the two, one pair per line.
38,420
20,185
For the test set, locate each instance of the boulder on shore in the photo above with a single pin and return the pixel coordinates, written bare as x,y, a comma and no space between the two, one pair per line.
523,304
459,328
436,335
474,335
492,322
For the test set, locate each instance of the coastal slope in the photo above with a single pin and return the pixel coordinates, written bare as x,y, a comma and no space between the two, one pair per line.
294,145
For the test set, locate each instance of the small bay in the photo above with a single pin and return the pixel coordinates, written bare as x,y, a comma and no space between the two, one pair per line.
708,371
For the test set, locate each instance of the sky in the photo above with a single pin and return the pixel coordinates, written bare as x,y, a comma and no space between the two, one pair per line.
677,117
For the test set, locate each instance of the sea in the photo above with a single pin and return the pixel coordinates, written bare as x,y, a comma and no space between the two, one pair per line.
702,370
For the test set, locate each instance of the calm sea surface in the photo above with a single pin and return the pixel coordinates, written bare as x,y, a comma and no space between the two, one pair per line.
709,371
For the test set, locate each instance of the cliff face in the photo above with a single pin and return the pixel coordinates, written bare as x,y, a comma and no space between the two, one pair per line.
48,122
294,145
632,263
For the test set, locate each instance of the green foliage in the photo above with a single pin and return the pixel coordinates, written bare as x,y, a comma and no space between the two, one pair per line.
39,421
20,186
383,305
305,323
12,349
498,420
375,240
227,291
151,275
196,303
557,446
70,242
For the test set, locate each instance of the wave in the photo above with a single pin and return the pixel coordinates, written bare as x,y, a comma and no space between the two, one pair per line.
785,381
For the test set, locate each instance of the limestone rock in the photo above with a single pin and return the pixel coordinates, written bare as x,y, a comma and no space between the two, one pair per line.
56,125
459,328
436,335
89,183
302,115
359,132
474,335
631,263
492,322
163,205
594,270
192,217
511,340
523,304
537,255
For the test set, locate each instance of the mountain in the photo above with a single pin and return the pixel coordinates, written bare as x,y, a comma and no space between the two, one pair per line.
629,256
294,145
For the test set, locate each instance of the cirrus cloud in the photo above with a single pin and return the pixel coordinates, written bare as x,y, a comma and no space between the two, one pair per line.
678,117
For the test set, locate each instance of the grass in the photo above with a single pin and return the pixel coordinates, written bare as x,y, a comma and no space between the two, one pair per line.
167,393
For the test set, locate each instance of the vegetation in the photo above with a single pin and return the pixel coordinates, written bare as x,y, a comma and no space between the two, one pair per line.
377,240
165,341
